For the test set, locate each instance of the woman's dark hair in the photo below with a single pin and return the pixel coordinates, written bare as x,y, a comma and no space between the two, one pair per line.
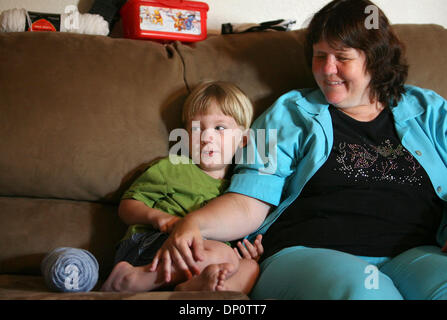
347,23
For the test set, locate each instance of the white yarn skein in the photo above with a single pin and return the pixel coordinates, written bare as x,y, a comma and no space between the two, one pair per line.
14,20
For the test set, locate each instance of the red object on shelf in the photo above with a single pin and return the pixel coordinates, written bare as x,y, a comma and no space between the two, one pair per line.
164,20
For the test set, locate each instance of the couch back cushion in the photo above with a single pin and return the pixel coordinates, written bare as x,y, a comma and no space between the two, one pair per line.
80,114
263,64
426,47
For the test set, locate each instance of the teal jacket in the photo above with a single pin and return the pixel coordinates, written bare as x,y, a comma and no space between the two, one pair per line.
300,126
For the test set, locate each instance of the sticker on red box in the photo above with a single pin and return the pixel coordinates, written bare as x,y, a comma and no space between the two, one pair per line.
170,20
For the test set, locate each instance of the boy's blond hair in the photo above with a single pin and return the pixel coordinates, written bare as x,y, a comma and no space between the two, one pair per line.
231,100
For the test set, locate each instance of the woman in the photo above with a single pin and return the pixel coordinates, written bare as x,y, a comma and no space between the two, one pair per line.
357,200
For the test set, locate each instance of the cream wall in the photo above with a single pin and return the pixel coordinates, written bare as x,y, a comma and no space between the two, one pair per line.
242,11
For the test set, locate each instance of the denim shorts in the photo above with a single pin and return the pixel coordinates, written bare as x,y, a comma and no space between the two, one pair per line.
140,248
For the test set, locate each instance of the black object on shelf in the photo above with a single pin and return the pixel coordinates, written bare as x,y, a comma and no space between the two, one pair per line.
108,9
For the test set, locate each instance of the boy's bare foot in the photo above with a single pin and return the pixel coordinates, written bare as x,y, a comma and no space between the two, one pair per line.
212,278
125,277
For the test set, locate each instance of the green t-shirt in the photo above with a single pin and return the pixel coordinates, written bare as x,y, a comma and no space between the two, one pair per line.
173,188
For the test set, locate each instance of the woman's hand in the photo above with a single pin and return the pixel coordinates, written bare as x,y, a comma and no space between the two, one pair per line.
250,251
229,216
183,249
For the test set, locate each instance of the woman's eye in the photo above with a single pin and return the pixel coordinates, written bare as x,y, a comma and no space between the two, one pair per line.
219,128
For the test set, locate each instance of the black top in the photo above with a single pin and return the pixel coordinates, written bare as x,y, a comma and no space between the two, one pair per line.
370,198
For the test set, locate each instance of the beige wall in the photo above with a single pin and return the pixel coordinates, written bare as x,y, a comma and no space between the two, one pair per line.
241,11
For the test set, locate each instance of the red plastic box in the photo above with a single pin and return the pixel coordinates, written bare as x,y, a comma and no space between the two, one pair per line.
164,20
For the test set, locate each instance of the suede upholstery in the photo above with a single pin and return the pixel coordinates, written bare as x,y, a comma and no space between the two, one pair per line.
82,116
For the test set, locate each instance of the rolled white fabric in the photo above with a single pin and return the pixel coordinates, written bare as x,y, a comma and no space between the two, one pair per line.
13,20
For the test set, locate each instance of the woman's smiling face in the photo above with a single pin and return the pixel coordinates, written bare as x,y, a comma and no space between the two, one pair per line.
341,75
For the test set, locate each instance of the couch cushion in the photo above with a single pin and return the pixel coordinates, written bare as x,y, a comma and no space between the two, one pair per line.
82,113
263,64
426,47
30,228
33,287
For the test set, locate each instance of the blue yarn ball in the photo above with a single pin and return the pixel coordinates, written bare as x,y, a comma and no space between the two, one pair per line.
70,270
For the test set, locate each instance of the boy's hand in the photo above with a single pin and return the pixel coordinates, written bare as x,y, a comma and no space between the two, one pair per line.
250,251
166,224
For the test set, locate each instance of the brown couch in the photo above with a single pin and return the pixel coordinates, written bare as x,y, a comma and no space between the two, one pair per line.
82,116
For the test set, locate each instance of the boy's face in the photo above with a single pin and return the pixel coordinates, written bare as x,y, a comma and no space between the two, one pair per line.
213,140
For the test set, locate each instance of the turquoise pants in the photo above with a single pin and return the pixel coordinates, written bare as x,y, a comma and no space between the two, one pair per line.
323,274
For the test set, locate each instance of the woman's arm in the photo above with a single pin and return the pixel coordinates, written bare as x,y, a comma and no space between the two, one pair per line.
228,217
136,212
